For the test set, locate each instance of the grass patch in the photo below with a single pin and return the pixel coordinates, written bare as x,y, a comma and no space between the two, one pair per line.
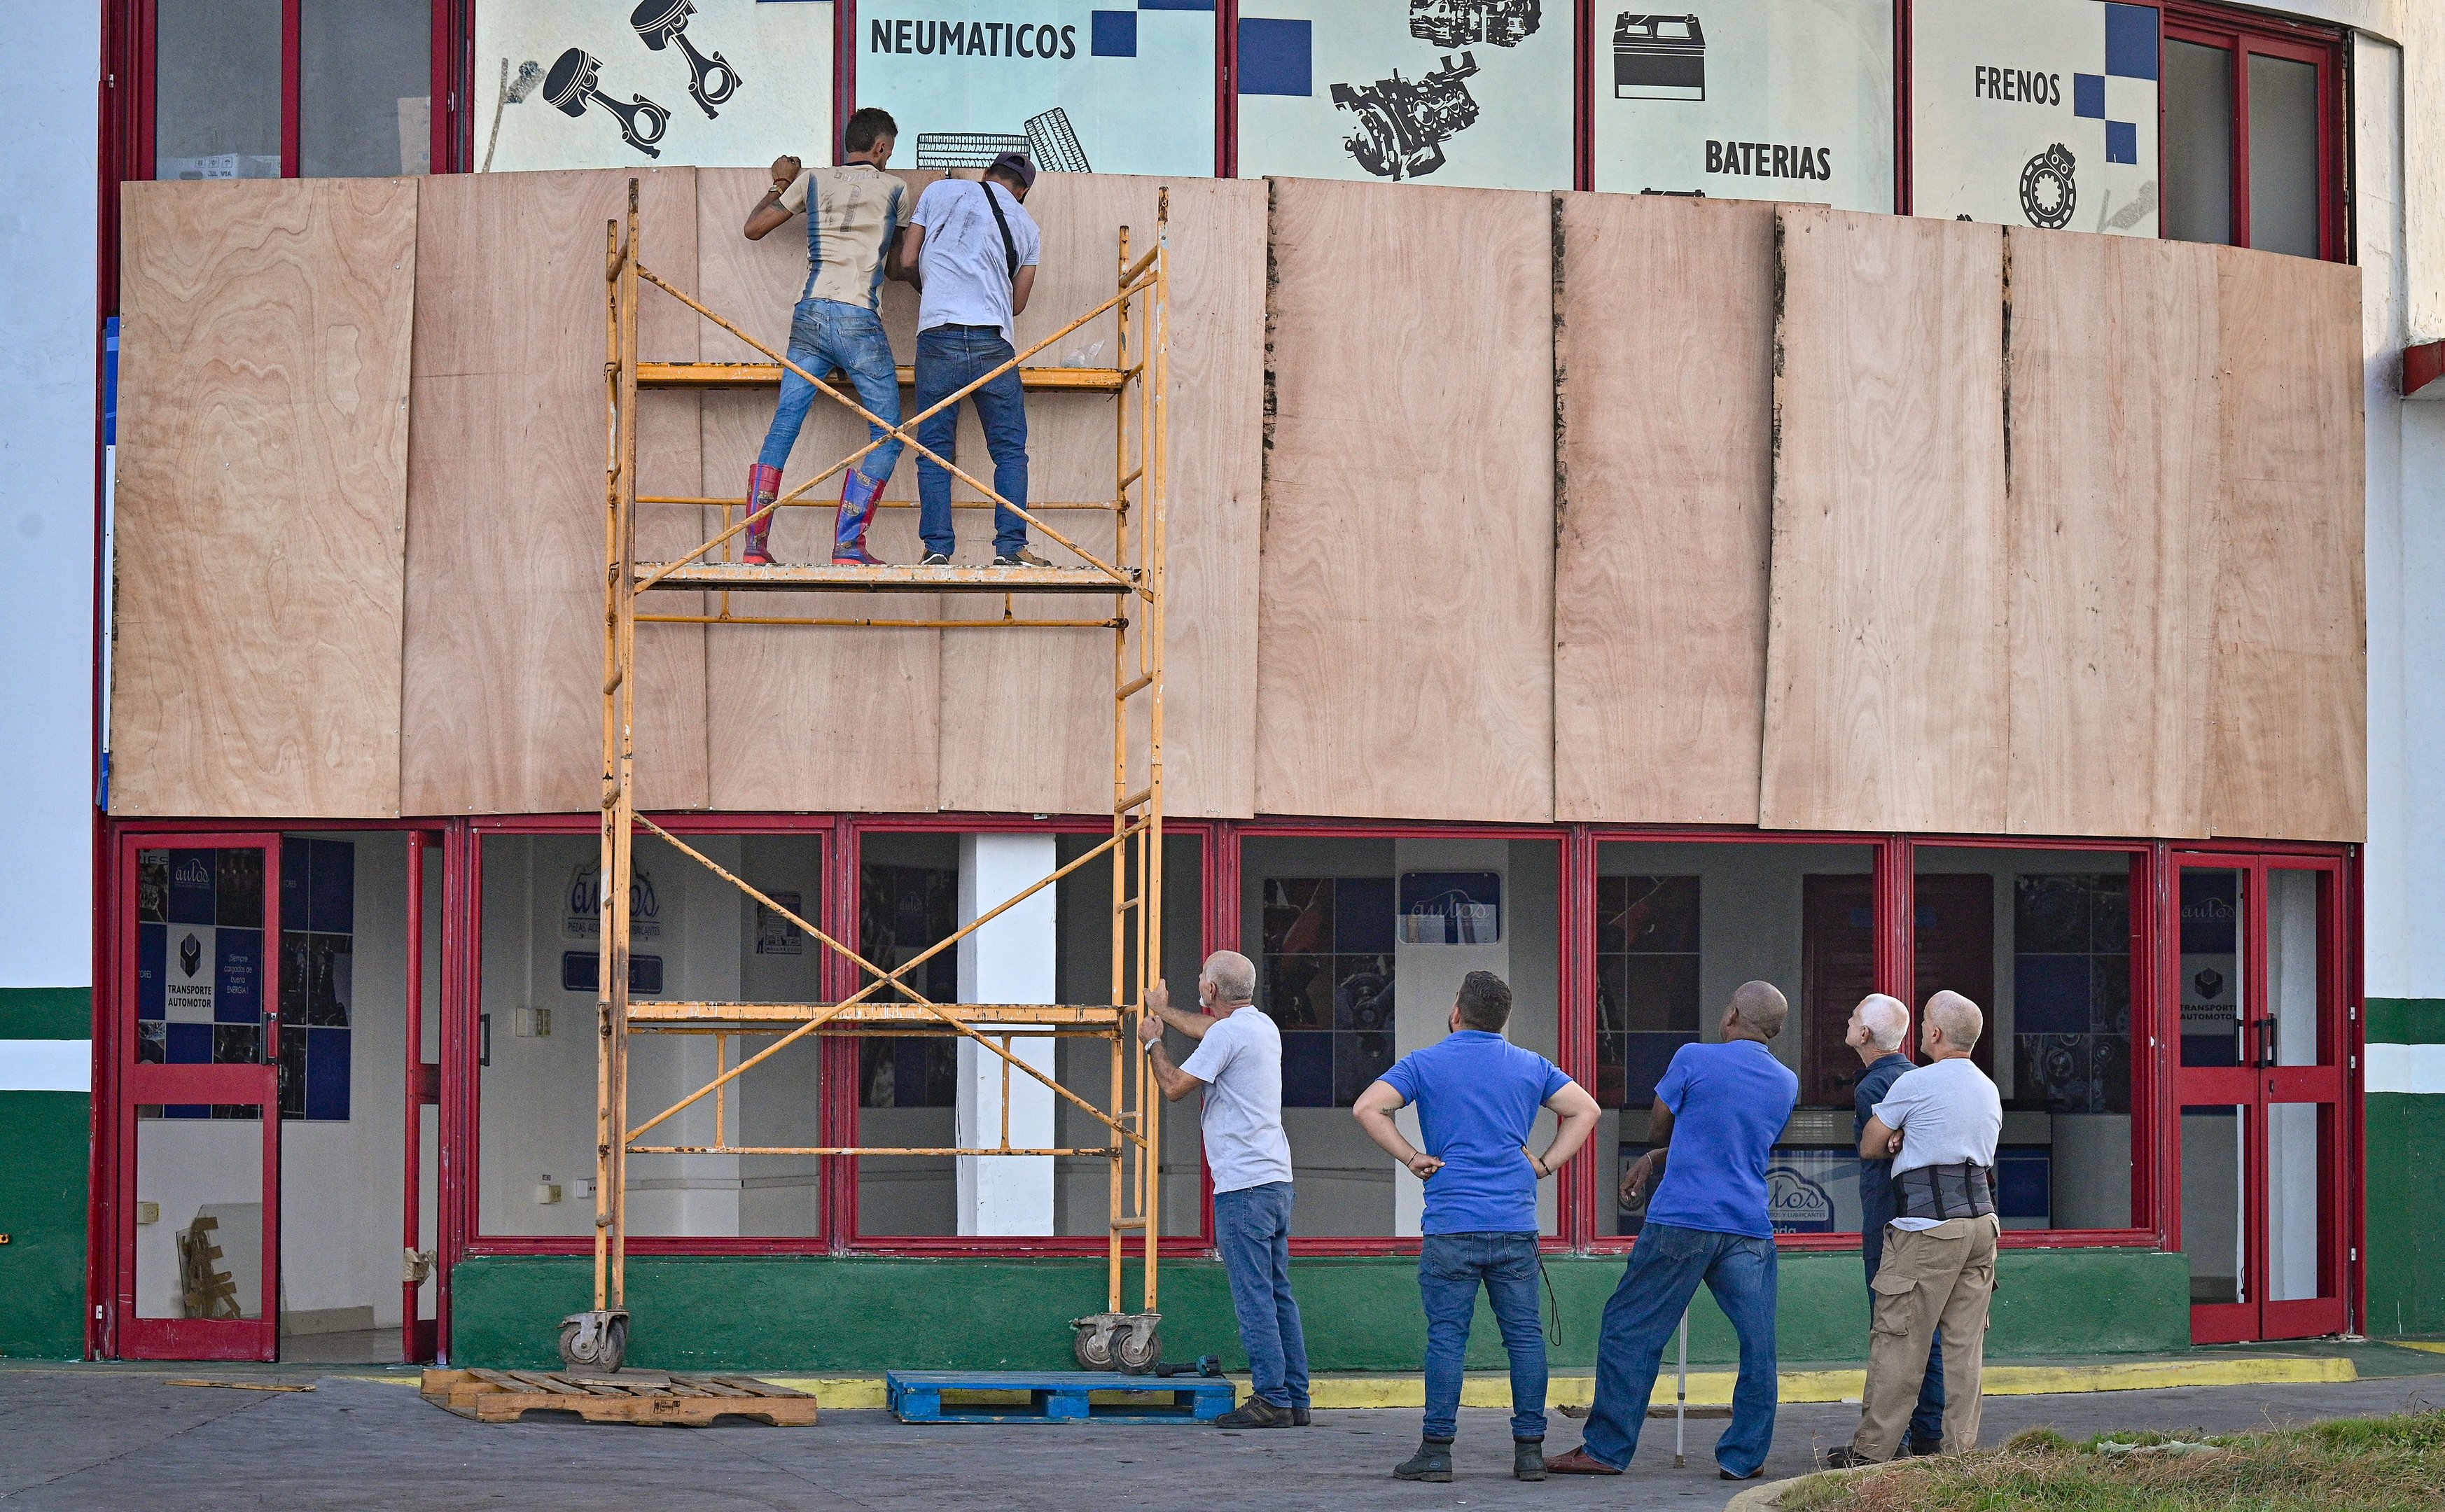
2351,1465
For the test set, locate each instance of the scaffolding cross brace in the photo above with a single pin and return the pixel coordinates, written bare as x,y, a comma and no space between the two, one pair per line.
888,1005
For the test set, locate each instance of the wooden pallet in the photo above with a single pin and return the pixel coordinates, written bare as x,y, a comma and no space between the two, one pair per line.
1054,1396
631,1396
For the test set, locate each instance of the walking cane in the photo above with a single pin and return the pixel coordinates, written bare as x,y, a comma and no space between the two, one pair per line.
1681,1401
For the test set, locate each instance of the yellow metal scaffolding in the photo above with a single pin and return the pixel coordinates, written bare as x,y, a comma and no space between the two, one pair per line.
888,1005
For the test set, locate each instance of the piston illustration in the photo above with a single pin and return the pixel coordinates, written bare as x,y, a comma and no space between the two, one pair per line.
1658,57
1403,125
2048,193
664,24
1466,22
575,81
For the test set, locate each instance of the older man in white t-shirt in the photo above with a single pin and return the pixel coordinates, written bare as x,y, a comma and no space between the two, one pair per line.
1940,1124
1238,1062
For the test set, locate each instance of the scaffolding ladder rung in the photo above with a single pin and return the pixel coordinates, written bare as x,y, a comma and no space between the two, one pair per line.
1134,687
1121,1225
1134,800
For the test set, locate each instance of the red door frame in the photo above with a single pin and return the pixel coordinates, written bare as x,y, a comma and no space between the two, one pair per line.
2256,1084
2240,35
131,1084
418,1338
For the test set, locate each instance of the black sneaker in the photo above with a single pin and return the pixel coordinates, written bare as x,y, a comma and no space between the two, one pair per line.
1256,1412
934,559
1921,1449
1298,1417
1843,1457
1528,1459
1431,1463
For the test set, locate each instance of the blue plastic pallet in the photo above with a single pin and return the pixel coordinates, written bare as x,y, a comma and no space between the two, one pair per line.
1056,1396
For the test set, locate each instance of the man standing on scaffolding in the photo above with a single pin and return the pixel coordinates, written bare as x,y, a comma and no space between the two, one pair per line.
974,248
853,216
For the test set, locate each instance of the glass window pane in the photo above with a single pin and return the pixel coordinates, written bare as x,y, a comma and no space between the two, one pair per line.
932,1092
2213,1009
2292,968
216,89
2041,940
2212,1235
365,87
2199,142
694,938
1678,927
1360,945
199,1214
200,959
2284,155
2294,1257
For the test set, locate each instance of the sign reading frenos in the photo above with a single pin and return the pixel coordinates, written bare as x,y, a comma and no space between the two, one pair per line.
2039,113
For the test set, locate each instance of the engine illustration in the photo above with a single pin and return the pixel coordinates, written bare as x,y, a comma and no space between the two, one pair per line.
1467,23
1402,125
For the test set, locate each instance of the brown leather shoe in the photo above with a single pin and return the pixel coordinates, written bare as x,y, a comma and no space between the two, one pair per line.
1578,1461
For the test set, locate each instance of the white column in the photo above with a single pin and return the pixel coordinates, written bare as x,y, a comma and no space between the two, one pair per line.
1426,979
1008,961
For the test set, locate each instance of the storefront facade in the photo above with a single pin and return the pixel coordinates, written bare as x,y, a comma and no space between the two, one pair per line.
2212,1051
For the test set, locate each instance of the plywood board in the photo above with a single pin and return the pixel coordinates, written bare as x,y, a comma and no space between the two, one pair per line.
2287,755
803,717
505,506
1404,638
2114,481
1027,716
1664,362
1887,680
261,497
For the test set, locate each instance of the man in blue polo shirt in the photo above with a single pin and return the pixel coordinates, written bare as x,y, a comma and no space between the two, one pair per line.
1718,1111
1478,1097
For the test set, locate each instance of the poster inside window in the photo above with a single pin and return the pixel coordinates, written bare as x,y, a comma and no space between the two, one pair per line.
710,84
1788,100
1475,93
2038,114
1108,86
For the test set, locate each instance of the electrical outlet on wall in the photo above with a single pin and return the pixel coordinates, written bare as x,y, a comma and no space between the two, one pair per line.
547,1190
531,1023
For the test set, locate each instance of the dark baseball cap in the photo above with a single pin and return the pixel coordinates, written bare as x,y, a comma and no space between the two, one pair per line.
1017,165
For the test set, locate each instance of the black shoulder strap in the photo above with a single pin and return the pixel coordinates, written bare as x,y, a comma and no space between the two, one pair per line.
1009,248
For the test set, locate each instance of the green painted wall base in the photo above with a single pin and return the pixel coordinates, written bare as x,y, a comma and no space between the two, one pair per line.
46,1160
860,1315
2406,1170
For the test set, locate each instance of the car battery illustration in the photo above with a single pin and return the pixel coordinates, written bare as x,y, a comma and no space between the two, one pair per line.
1658,58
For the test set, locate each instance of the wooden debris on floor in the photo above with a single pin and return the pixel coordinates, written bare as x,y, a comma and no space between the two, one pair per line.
242,1386
631,1396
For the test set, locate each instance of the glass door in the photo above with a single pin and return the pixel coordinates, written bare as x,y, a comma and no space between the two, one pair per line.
199,1097
2260,1090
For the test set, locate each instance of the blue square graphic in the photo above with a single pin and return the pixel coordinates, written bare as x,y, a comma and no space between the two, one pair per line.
2050,995
1307,1071
2088,95
1176,5
152,971
326,1073
1276,57
1115,34
2131,41
189,1044
331,889
2122,141
237,976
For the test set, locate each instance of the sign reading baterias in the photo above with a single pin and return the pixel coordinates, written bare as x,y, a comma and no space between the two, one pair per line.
1748,99
618,83
1466,92
1110,87
2040,113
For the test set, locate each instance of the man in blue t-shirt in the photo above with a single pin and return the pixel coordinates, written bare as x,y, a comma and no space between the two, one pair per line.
1478,1097
1878,1027
1718,1111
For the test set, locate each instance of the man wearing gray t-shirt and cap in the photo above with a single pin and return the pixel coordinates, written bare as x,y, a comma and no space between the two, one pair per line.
1940,1124
1238,1062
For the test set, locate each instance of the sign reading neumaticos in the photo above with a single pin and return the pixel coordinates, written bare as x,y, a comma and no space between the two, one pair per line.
1750,99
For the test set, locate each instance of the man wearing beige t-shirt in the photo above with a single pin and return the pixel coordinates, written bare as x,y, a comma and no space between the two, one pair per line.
854,214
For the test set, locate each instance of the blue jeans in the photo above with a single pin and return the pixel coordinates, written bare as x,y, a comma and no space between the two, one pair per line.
1450,1266
948,359
824,334
1252,1227
1666,1266
1875,1211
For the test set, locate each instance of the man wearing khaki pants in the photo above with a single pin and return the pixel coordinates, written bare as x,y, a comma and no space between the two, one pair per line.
1939,1123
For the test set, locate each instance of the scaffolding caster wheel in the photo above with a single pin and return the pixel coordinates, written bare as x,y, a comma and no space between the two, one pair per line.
594,1341
1122,1341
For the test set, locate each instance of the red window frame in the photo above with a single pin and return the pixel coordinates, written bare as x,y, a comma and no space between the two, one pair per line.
2242,34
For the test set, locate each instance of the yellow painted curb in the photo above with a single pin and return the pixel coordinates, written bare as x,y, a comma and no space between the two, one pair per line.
1714,1388
2431,1345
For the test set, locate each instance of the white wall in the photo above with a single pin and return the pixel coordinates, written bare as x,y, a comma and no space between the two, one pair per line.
48,432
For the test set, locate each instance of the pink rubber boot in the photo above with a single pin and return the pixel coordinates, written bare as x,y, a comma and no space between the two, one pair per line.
763,487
